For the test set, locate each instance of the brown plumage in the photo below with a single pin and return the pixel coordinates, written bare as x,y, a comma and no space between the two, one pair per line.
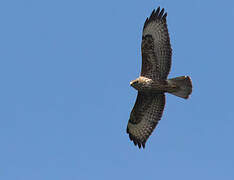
153,83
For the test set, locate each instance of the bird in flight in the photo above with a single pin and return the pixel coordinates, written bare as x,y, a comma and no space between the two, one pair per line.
153,83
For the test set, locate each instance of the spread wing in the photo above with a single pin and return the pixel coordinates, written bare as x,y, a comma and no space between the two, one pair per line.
155,47
144,117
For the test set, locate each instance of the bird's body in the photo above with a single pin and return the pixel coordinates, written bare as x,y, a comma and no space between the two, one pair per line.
153,83
144,84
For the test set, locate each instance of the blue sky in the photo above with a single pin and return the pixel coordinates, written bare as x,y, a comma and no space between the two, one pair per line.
65,97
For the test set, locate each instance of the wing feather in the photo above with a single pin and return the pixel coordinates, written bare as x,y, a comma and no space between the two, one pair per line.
156,47
144,117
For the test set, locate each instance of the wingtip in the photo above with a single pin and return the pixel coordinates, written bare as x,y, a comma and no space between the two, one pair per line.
127,130
164,16
152,13
135,141
157,10
161,13
130,137
158,14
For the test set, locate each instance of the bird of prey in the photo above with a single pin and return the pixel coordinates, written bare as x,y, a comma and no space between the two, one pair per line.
153,83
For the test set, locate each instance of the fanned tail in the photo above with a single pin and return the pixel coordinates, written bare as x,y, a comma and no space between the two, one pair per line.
184,85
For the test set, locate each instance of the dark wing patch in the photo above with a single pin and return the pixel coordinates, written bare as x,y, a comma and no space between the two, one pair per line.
144,117
155,47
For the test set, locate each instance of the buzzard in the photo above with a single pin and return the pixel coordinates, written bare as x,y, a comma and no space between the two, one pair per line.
153,83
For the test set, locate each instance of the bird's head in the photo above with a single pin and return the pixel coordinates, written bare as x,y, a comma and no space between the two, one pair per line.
141,83
135,83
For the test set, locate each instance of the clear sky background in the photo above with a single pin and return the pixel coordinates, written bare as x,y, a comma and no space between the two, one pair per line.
65,99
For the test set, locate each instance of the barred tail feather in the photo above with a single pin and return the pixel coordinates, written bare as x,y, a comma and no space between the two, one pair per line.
184,85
